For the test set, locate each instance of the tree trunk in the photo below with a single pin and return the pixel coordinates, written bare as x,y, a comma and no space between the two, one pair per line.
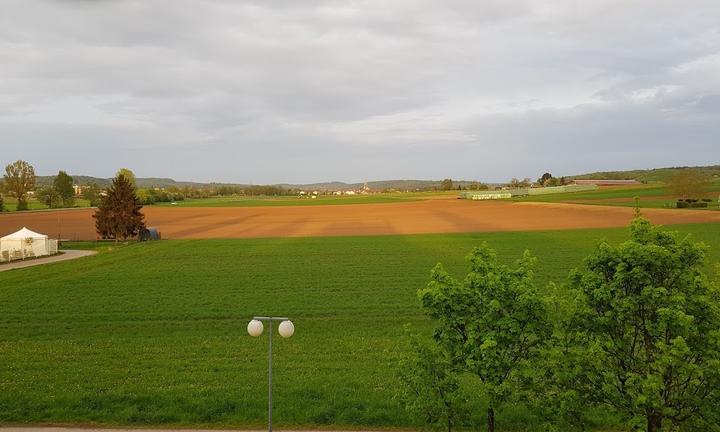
491,419
654,423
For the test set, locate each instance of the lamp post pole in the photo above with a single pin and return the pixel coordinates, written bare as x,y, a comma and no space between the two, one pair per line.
286,329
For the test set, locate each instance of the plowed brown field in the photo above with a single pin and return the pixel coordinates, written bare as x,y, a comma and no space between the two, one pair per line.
431,216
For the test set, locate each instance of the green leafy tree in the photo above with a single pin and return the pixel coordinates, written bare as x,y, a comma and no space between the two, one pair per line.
145,196
491,324
429,386
478,186
558,388
2,202
544,178
19,180
552,182
519,184
49,196
63,185
647,329
128,174
446,184
118,216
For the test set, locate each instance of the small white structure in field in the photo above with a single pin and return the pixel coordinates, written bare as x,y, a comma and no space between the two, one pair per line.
26,244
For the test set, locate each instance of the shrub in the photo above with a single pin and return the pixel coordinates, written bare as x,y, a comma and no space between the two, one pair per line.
683,204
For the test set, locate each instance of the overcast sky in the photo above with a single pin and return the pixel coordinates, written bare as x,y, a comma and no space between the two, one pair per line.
274,91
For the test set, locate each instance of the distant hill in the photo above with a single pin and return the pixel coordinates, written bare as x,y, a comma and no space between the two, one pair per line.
647,175
375,185
152,182
142,182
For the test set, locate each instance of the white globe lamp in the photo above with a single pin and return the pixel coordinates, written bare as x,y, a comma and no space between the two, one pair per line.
255,328
286,329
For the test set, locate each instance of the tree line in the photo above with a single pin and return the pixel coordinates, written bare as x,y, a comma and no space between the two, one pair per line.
635,331
20,182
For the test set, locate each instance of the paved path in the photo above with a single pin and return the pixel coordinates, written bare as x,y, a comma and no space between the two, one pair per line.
65,256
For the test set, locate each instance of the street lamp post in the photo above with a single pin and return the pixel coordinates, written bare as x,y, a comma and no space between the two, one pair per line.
255,329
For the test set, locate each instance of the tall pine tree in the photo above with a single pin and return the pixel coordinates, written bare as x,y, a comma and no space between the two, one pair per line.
118,216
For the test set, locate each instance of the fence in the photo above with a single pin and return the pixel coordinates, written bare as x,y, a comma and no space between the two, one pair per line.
17,250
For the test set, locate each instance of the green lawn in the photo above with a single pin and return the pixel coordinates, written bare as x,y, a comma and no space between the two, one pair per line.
154,333
653,195
266,201
295,200
33,204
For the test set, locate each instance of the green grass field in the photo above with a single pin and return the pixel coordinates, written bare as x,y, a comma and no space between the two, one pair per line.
155,333
292,201
33,204
267,201
653,195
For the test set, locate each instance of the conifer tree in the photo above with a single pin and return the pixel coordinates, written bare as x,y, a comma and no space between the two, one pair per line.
118,216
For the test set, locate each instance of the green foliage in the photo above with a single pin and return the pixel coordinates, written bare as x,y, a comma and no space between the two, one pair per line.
152,196
552,182
478,186
491,323
429,386
519,184
118,216
446,184
19,180
2,203
253,190
91,193
544,179
128,174
49,196
647,327
63,186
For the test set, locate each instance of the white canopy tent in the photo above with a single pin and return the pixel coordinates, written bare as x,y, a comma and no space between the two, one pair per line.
26,244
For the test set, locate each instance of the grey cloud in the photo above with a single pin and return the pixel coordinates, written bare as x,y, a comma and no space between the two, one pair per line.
289,91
